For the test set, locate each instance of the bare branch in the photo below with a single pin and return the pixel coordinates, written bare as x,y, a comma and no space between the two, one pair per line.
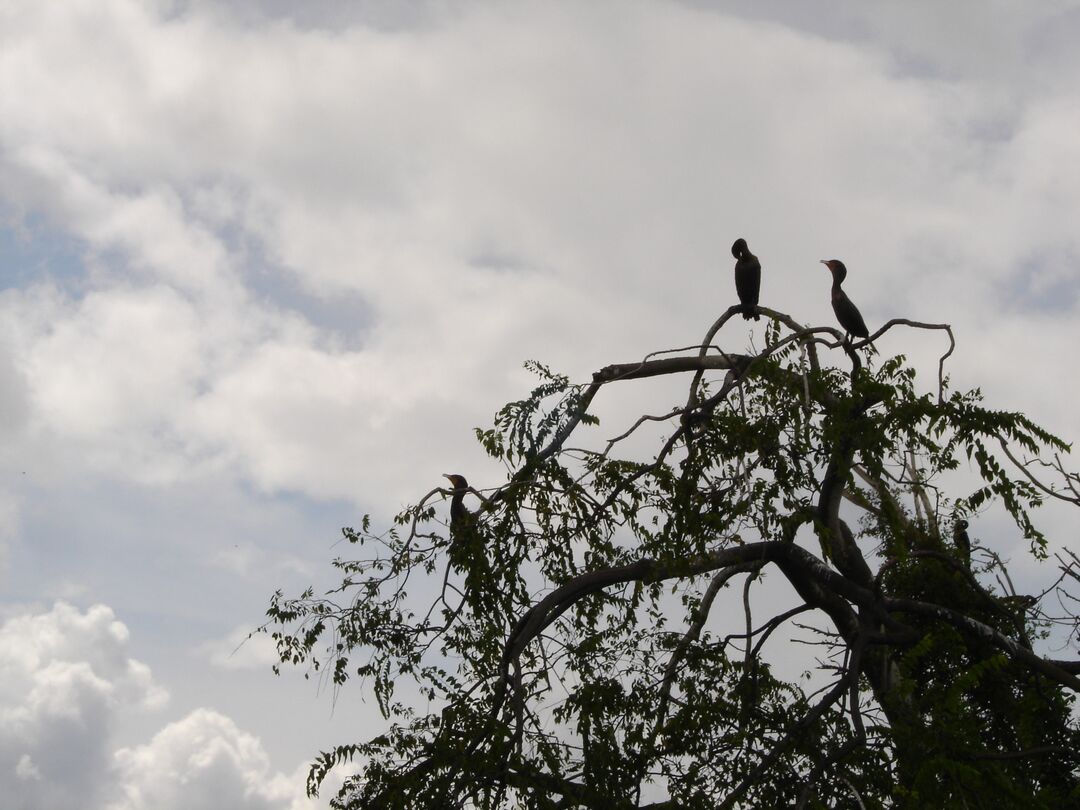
1023,468
919,325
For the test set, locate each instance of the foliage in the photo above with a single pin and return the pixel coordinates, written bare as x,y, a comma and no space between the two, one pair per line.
574,656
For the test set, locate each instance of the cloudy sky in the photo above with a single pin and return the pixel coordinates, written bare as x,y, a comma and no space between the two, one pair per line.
263,270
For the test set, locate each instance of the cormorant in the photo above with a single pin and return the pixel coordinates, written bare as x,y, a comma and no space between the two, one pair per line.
459,515
962,541
846,312
466,550
747,278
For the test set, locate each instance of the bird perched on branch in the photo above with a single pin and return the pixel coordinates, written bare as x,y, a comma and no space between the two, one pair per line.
458,511
846,312
962,541
466,551
460,517
747,278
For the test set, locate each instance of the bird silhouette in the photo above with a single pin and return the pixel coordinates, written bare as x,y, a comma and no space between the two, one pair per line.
846,312
465,541
747,278
459,515
962,541
466,551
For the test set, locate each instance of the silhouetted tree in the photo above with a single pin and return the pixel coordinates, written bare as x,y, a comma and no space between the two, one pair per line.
589,652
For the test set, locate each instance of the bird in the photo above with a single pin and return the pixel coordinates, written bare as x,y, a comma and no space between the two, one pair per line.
962,541
466,551
846,312
747,278
459,515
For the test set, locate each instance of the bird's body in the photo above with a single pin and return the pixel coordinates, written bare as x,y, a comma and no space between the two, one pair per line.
459,515
846,312
466,551
747,278
962,541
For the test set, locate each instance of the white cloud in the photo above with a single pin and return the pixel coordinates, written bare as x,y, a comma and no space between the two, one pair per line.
14,407
148,226
26,769
9,523
241,649
486,200
63,676
66,678
466,189
203,762
145,347
14,413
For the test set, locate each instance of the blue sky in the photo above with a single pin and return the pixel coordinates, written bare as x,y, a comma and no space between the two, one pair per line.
262,271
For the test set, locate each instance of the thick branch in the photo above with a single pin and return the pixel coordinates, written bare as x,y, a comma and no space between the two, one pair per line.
836,536
983,632
813,580
669,365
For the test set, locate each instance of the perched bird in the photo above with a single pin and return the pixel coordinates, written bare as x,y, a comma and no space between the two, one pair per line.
459,515
962,541
747,278
846,312
466,550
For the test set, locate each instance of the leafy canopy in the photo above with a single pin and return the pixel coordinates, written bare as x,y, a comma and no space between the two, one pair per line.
586,638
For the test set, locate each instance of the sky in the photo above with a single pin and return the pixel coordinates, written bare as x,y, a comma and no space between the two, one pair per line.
263,269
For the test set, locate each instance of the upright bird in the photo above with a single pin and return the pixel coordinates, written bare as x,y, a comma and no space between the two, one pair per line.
459,515
466,550
962,541
747,278
846,312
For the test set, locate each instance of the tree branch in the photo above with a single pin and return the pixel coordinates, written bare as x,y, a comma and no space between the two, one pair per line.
983,632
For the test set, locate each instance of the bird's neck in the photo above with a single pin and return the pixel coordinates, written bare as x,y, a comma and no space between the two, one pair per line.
457,505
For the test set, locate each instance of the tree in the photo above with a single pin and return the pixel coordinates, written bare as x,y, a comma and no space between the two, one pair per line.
586,655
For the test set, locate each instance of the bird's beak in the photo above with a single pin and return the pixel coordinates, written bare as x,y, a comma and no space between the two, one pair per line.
824,262
447,477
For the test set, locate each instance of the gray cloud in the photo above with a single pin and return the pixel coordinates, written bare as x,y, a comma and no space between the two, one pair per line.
382,164
314,245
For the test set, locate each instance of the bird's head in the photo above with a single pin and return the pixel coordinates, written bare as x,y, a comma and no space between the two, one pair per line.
961,525
836,267
739,248
458,481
